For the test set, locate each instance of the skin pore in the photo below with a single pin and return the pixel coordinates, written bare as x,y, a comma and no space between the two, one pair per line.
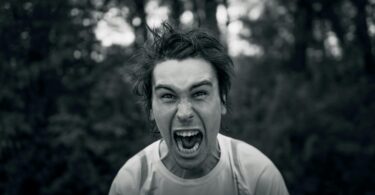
185,98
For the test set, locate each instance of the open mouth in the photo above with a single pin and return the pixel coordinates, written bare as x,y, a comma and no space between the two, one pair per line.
188,141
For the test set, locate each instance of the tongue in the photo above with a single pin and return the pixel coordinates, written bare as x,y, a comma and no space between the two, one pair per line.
188,142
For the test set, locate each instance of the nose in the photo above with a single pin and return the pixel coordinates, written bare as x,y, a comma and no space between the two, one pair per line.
184,111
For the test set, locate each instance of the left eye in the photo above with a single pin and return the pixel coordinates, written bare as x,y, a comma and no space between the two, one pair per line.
200,94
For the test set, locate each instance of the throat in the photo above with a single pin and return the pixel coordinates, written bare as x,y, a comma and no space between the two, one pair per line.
190,173
200,170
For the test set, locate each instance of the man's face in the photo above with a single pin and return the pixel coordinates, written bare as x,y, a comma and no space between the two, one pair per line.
187,109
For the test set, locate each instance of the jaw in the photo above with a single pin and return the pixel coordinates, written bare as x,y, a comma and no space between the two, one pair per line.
192,167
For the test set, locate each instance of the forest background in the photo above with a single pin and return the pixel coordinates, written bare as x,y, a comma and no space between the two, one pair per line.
303,93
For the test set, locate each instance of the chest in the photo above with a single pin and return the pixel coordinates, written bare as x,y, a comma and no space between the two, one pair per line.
221,183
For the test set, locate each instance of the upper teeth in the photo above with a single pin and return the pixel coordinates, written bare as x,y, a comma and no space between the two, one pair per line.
187,133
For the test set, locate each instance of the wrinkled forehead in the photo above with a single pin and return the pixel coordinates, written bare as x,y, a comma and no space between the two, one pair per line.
183,74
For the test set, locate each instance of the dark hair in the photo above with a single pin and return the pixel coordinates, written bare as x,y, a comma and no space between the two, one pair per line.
169,43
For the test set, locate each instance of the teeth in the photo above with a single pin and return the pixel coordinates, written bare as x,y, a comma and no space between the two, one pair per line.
182,149
187,133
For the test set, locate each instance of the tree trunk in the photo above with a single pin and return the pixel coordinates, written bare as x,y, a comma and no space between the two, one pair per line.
363,36
210,21
141,30
205,10
302,34
176,8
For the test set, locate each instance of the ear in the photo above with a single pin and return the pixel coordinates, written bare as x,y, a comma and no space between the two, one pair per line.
152,115
223,109
223,106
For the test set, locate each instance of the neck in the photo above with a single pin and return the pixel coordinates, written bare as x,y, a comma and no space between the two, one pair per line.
208,164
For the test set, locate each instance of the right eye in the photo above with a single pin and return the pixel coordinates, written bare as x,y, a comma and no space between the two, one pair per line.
167,97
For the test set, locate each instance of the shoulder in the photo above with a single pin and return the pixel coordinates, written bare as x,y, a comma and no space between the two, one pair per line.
256,169
129,177
250,155
246,154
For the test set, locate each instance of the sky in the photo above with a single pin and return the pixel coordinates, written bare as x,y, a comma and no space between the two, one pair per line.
112,29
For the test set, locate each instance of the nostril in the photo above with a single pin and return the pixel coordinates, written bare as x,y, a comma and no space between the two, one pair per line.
184,111
184,116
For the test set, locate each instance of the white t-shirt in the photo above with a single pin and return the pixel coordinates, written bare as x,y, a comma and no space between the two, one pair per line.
242,169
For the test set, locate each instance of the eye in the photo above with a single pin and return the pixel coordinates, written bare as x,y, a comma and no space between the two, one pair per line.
200,94
168,97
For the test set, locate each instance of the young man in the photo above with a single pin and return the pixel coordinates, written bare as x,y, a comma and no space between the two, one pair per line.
184,79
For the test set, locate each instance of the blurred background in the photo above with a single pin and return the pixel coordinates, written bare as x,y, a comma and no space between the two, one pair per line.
303,93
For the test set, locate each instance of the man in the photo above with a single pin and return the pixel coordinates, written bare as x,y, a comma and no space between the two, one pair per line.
184,79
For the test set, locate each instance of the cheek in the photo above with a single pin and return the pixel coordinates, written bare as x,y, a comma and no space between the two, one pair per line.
163,117
214,123
211,115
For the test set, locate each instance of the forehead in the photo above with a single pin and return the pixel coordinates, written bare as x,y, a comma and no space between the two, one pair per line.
183,73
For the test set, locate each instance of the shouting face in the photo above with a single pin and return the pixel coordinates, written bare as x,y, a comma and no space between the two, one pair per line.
187,109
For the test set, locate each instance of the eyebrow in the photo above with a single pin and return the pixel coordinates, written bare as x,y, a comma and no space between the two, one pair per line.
196,85
202,83
162,86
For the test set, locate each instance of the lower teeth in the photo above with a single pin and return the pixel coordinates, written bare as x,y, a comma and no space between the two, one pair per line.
191,150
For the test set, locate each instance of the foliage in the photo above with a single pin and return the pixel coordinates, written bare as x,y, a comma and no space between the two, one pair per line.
68,119
315,122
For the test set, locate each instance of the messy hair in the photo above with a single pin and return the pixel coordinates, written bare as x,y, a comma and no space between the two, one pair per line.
171,44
